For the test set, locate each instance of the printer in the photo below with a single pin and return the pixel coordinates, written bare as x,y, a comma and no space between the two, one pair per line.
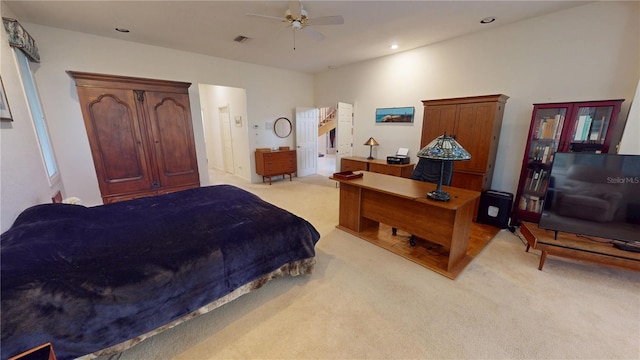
401,157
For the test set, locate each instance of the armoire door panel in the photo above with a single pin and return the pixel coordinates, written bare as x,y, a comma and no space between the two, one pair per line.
473,134
171,127
116,140
441,120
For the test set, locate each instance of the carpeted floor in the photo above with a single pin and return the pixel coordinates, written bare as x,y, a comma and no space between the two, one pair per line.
363,302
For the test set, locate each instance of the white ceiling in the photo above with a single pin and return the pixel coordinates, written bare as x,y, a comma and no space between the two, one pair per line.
209,27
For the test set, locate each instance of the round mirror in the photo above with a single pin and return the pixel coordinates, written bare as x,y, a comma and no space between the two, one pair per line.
282,127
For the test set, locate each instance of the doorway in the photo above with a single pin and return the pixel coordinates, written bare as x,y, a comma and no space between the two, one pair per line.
326,141
335,137
226,135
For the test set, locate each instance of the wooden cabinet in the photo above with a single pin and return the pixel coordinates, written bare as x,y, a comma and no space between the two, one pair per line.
274,163
355,163
559,127
475,122
140,133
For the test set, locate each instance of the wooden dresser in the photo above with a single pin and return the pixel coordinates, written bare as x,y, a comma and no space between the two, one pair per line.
354,163
274,163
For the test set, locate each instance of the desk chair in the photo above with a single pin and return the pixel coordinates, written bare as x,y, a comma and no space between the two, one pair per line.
428,170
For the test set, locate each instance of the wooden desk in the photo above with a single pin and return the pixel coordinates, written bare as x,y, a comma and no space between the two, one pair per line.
355,163
377,198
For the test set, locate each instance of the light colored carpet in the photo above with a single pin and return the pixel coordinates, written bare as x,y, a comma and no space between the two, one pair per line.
363,302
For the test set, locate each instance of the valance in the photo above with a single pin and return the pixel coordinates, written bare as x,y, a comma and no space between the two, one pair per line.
20,38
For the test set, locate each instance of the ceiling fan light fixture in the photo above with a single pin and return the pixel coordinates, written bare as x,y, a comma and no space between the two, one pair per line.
304,16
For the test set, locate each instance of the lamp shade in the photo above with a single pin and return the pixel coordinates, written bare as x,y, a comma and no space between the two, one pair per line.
371,142
444,148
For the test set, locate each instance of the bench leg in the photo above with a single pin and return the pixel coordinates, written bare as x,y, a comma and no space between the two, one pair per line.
543,257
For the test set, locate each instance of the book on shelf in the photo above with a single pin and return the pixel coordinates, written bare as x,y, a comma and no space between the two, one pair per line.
543,154
542,176
531,203
559,120
536,180
596,129
547,127
583,127
522,204
533,178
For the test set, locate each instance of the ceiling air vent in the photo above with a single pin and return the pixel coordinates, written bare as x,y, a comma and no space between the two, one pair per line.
240,39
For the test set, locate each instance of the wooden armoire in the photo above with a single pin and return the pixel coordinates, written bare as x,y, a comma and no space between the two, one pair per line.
140,133
474,122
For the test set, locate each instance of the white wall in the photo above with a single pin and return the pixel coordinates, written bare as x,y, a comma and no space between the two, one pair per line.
586,53
630,142
23,178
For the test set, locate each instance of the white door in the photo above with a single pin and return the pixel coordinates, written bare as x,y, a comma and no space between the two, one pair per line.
227,141
344,132
307,140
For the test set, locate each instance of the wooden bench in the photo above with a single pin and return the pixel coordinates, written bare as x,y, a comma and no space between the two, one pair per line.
572,246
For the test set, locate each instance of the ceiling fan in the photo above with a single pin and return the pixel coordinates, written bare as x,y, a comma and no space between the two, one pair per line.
297,18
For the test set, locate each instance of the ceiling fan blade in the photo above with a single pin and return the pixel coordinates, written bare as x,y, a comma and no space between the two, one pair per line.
266,17
295,7
327,20
313,33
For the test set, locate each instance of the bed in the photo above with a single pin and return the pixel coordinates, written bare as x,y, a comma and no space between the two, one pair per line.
97,280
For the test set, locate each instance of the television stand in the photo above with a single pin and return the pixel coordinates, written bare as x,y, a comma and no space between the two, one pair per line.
573,247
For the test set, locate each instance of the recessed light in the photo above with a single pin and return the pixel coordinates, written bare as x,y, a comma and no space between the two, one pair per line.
240,38
393,46
122,30
488,20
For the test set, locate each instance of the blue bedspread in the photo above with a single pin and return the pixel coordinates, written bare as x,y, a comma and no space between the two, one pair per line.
87,278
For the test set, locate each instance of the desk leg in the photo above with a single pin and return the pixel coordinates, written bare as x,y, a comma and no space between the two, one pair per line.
460,236
350,215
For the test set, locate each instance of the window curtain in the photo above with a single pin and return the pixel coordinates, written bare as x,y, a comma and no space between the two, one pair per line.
20,38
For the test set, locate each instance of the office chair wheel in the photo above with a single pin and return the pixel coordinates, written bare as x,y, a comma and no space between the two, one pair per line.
412,240
394,231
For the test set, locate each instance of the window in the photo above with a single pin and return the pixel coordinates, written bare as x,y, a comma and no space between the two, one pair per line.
37,115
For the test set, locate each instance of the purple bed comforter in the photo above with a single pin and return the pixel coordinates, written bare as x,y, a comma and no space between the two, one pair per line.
88,278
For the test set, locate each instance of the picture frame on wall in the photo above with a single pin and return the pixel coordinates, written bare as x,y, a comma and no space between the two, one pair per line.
395,115
5,111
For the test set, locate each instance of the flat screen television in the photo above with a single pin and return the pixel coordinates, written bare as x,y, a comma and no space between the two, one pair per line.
594,195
